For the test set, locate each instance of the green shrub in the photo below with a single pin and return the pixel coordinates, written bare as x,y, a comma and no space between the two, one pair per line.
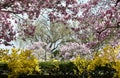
48,68
105,71
57,68
67,68
3,68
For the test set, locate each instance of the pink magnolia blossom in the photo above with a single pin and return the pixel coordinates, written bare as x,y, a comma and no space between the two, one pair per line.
73,49
41,51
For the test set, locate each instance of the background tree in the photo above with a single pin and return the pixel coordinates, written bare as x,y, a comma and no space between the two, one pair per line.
98,21
30,8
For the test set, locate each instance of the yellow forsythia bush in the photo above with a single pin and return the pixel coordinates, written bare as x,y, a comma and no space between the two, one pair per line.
81,64
108,55
3,54
21,62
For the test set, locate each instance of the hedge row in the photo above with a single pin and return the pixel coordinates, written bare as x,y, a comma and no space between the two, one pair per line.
61,69
21,63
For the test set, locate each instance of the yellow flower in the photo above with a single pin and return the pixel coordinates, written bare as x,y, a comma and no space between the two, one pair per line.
55,60
21,61
37,68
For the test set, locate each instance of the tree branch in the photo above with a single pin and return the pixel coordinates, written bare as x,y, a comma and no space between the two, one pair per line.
117,2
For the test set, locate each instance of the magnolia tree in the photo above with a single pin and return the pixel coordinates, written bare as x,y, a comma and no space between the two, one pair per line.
73,49
40,50
99,23
54,34
9,9
100,16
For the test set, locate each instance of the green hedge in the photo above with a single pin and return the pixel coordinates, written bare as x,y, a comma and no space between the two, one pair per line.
103,71
63,69
3,68
58,68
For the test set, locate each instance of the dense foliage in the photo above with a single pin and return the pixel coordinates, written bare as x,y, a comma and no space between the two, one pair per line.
97,20
86,33
20,62
104,63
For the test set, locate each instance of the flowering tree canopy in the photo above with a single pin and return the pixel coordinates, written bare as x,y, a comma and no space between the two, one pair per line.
40,50
99,18
73,49
32,8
